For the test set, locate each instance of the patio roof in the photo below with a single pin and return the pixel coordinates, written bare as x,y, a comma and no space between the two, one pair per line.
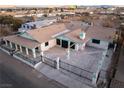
22,41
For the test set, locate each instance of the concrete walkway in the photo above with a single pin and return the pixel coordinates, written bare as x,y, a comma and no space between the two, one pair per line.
60,77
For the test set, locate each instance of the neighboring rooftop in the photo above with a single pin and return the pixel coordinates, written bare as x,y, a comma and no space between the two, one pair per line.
40,23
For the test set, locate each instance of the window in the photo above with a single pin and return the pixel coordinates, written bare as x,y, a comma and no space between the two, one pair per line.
58,41
23,26
46,44
95,41
27,26
72,45
64,44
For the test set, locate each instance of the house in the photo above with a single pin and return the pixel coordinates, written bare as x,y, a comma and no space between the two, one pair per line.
34,41
36,24
95,36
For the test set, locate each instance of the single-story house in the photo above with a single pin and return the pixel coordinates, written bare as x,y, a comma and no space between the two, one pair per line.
35,40
42,39
37,24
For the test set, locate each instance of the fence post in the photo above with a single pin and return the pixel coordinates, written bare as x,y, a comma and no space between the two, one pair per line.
68,54
42,55
57,62
94,79
115,45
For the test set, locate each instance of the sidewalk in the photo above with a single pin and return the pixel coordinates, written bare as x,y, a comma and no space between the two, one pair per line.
60,77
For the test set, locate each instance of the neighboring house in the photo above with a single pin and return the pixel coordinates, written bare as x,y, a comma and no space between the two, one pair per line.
36,24
34,41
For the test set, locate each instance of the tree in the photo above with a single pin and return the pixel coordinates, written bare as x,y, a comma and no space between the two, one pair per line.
86,18
45,15
50,10
62,10
9,24
16,24
110,21
62,16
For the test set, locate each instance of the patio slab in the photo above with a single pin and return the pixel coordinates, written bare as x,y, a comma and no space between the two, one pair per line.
87,59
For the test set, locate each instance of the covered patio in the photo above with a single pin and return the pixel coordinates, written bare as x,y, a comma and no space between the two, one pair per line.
28,48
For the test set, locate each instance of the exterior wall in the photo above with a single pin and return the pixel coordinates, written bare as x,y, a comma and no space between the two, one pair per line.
52,43
102,45
79,46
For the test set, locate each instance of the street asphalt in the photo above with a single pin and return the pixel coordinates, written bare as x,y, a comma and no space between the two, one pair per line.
16,74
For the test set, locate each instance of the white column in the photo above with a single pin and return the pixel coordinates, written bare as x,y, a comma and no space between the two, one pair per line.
60,42
57,63
27,53
6,43
41,48
69,44
16,47
34,53
115,47
94,78
42,56
68,53
20,49
10,44
83,46
76,47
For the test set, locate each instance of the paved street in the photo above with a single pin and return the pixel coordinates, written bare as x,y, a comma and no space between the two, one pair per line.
120,68
14,73
118,80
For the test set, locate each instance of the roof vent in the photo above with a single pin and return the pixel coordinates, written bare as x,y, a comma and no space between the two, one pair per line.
82,35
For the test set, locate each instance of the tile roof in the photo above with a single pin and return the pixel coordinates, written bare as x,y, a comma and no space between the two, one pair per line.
44,34
97,32
102,33
74,36
22,41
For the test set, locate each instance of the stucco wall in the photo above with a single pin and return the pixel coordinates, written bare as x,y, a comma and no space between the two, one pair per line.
80,46
102,45
52,43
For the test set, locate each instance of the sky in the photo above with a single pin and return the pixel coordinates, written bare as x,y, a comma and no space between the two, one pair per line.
61,2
